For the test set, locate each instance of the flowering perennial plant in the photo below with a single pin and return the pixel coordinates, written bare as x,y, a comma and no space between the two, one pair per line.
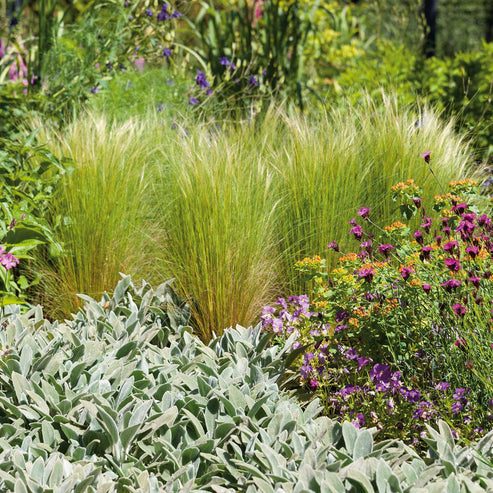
400,333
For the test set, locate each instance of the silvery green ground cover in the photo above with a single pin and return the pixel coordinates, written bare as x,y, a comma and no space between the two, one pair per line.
124,398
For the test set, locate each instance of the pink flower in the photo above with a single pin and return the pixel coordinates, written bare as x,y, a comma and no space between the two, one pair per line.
426,156
8,260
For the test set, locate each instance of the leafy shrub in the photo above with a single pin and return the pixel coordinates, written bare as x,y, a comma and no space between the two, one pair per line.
415,302
29,173
123,396
460,86
255,46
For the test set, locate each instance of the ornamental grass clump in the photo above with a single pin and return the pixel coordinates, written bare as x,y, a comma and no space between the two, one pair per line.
400,333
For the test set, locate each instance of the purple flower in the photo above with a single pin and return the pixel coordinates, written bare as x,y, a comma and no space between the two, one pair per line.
451,285
8,261
357,231
366,246
426,224
475,281
224,61
167,52
459,310
305,371
96,89
426,156
351,354
385,249
364,212
426,288
366,274
253,81
359,421
149,13
193,101
418,236
333,245
443,386
201,80
380,373
472,251
308,357
456,407
176,14
459,393
162,16
425,253
363,361
453,264
417,202
460,208
160,107
413,395
406,272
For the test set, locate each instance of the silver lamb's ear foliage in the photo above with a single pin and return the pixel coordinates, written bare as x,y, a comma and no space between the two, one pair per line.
124,397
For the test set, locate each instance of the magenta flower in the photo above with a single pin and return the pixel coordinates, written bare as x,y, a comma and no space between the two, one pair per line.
334,246
8,261
459,310
472,251
453,264
426,224
460,208
425,253
426,288
417,202
366,274
357,231
426,156
366,246
450,246
364,212
475,281
418,236
385,249
406,272
451,285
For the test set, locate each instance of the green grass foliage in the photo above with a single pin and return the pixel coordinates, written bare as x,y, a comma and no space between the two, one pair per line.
231,207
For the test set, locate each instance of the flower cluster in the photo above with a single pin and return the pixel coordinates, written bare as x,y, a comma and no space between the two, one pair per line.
416,299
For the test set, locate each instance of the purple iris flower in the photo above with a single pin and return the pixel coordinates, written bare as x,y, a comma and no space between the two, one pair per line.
201,80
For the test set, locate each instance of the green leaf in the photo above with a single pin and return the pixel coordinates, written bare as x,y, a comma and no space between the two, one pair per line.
349,433
128,434
108,423
363,445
